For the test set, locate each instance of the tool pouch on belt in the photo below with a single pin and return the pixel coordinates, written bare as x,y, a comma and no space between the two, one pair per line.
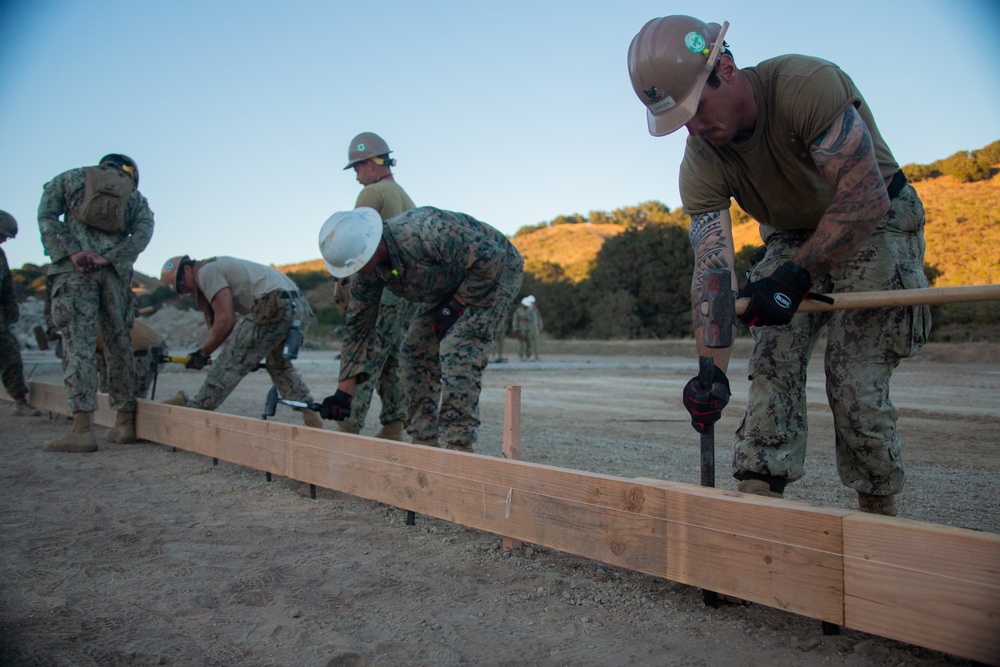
269,309
105,195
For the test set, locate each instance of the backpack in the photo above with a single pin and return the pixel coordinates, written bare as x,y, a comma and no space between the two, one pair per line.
105,197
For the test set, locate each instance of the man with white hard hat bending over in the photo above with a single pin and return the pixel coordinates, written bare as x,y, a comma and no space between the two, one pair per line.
463,272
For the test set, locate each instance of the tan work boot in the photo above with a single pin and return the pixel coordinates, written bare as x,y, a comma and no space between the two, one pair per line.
343,428
24,409
180,398
756,487
124,430
459,448
311,418
391,431
429,442
885,505
81,440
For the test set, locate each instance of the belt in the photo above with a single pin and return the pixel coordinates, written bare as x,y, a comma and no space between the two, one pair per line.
895,185
289,294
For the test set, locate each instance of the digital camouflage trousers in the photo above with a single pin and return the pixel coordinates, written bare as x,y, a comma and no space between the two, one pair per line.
393,320
862,349
443,379
79,302
248,343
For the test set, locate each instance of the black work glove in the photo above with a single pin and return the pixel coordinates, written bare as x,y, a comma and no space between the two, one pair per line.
705,405
198,360
336,407
774,299
445,315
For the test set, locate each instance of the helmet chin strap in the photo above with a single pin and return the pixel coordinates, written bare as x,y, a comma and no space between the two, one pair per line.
384,176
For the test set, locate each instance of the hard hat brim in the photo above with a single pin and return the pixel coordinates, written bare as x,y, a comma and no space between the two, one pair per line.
676,117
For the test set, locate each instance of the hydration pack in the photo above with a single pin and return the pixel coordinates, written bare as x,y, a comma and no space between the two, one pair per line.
105,196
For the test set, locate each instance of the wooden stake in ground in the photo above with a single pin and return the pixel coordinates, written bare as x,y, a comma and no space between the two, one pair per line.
511,446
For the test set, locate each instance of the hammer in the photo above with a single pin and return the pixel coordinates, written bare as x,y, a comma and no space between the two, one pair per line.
718,309
272,400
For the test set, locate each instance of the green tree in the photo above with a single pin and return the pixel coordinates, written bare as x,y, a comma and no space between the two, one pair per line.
640,286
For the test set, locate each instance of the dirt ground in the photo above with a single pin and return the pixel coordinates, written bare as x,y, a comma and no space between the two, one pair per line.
141,555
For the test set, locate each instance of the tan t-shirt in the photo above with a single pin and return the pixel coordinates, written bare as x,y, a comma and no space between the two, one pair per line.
386,197
772,175
247,281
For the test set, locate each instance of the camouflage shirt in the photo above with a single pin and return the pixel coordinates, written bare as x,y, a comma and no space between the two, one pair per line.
61,238
433,254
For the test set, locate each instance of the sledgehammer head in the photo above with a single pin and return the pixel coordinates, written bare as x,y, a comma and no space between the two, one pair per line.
718,308
271,402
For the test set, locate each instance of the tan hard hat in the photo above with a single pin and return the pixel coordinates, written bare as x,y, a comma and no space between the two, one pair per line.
348,239
8,225
669,61
364,147
171,268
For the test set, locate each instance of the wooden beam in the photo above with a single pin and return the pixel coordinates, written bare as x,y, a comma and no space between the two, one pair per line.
946,579
933,586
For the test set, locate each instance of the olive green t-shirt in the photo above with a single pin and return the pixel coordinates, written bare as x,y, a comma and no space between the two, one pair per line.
386,197
772,175
389,199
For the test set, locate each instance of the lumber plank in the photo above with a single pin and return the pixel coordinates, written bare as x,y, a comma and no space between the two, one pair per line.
933,586
926,584
781,553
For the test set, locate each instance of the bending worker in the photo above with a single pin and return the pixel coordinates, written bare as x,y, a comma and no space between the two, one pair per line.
106,223
463,272
226,287
368,155
793,141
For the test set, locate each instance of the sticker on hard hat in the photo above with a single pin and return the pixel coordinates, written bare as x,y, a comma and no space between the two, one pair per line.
664,104
169,265
695,42
361,148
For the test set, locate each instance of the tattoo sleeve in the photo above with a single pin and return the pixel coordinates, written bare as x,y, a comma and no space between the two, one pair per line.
711,237
845,156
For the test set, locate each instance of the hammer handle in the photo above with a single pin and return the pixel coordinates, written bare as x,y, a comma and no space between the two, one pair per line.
928,296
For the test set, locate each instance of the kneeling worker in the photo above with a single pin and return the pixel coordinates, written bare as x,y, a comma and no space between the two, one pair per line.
465,274
226,287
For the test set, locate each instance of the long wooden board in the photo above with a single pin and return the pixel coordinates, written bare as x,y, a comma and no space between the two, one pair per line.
890,577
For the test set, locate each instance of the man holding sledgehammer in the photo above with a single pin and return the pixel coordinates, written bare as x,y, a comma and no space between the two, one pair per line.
276,315
793,141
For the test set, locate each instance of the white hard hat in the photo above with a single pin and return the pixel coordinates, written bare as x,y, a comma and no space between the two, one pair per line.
349,239
528,300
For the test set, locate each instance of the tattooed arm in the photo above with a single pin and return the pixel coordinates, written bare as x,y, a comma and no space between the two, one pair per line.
711,237
845,156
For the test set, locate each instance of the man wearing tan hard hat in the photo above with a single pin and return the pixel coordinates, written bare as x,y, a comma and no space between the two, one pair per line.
368,155
794,143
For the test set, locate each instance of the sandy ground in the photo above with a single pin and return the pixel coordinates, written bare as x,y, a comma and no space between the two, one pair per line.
141,555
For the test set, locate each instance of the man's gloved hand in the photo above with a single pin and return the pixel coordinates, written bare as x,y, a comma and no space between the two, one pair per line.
198,360
774,299
705,405
336,407
445,316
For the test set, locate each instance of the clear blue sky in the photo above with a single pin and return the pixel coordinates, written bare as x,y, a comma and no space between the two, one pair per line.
239,113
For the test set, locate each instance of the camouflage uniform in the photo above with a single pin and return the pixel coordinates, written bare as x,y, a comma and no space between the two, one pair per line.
81,300
863,347
258,335
11,367
394,316
433,255
527,323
